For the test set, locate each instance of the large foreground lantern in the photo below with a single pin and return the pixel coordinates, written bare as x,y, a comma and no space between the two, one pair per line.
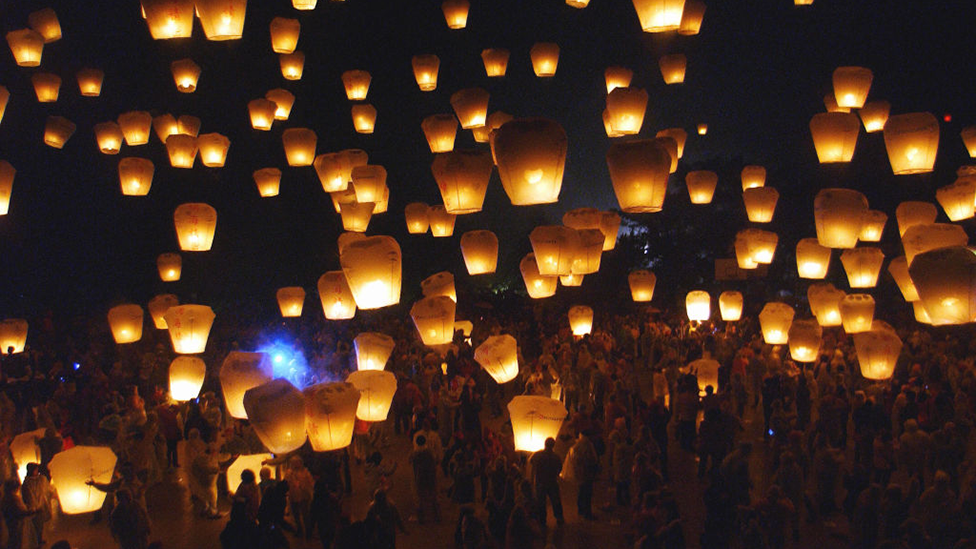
753,176
376,389
268,181
534,419
691,17
812,259
531,156
189,327
874,115
73,471
639,171
580,320
135,176
877,351
851,85
899,272
760,203
170,267
27,46
336,297
673,68
872,226
912,141
239,372
330,415
441,283
701,186
555,248
857,313
480,251
537,285
291,300
498,355
195,226
373,350
496,61
299,146
805,338
838,214
931,236
659,15
775,320
730,306
57,131
958,198
440,131
13,335
913,213
434,318
862,266
125,322
545,59
462,177
642,283
250,462
946,283
186,377
471,107
372,267
276,411
425,68
24,450
625,110
835,136
158,306
825,301
698,305
7,173
182,150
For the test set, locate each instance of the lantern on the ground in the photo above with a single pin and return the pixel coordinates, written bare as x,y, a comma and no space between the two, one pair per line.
531,156
617,77
195,226
373,350
877,351
262,113
425,68
834,136
186,377
698,305
213,149
537,285
239,372
609,226
45,22
372,268
958,198
434,318
441,221
186,73
730,306
291,301
874,115
299,144
912,141
46,86
13,335
673,68
625,110
534,419
276,411
825,303
330,415
545,59
441,283
753,176
580,320
659,15
182,150
462,177
851,85
24,450
471,107
170,266
899,272
336,297
498,355
760,203
26,46
944,279
135,176
292,65
589,253
930,236
555,248
701,186
158,307
691,17
268,181
109,137
838,214
189,327
872,226
639,171
642,283
857,312
73,473
805,338
57,131
125,322
862,266
284,34
913,213
440,131
480,251
376,389
812,259
496,61
775,320
135,126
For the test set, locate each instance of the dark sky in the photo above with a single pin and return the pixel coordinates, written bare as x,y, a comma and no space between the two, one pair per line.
756,74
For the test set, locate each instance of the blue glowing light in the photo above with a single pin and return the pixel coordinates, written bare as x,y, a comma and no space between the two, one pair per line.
289,362
77,366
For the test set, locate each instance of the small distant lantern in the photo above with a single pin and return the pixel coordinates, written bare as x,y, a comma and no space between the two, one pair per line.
545,59
299,146
262,113
617,77
639,171
775,320
531,156
186,377
862,266
135,176
743,256
46,86
364,118
170,267
958,199
195,226
805,338
336,297
441,283
284,100
356,83
168,19
851,85
498,355
496,61
356,215
158,307
555,248
698,305
537,285
440,131
825,303
931,236
944,280
834,136
753,176
376,389
760,203
239,372
899,272
535,419
292,65
276,411
471,107
659,15
625,110
441,221
912,141
268,181
730,305
691,18
165,125
580,320
213,149
335,169
877,351
109,137
812,259
702,129
609,226
4,98
673,68
462,177
913,213
373,270
304,5
589,253
373,350
291,300
126,323
872,226
968,135
330,415
57,131
701,186
838,214
186,73
415,215
480,251
135,127
761,244
13,335
284,34
434,318
425,68
642,283
45,22
857,313
874,115
7,173
456,13
74,473
26,46
189,327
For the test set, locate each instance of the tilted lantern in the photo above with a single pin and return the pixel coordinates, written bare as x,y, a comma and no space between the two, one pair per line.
580,320
213,149
441,221
284,100
456,13
931,236
609,226
899,272
373,350
679,135
125,322
57,131
659,15
135,126
753,176
701,186
356,83
169,19
462,177
46,86
589,253
825,303
425,68
968,135
834,136
186,377
45,22
186,73
441,283
182,150
531,155
480,251
239,372
498,355
372,267
642,283
912,141
545,59
109,137
877,351
914,213
299,146
775,320
872,226
73,474
284,34
13,335
945,279
673,68
958,198
698,305
268,181
158,307
24,450
440,131
336,297
760,203
165,125
730,305
496,61
535,419
874,115
862,266
415,215
812,259
262,113
555,248
170,267
7,174
276,411
617,77
189,327
851,85
330,415
857,312
434,318
292,65
838,214
537,285
805,339
471,107
195,226
691,17
249,462
291,301
376,389
135,176
639,171
26,46
625,110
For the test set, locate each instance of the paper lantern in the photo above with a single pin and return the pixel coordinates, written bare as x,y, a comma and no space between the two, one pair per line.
213,149
496,61
545,59
46,86
555,248
730,306
292,65
462,177
356,83
743,255
26,46
931,236
830,103
812,259
838,214
498,355
434,318
291,300
195,226
471,107
335,169
775,320
805,338
284,34
537,285
268,181
186,73
373,350
802,2
284,100
135,176
165,125
877,351
851,85
72,469
617,77
304,5
625,110
262,113
4,98
534,419
425,69
671,146
834,136
673,68
582,218
702,129
24,450
968,135
659,15
251,462
912,141
698,306
957,199
347,238
899,272
608,125
135,127
456,13
441,221
609,226
372,268
639,171
13,335
330,415
872,226
912,213
415,215
188,125
240,372
921,315
222,19
531,156
7,173
109,137
189,327
679,135
57,131
158,306
364,118
857,313
186,377
376,389
571,280
691,17
753,176
182,150
944,279
276,411
705,371
45,22
125,322
336,296
862,266
299,144
580,320
589,253
578,4
874,115
825,303
369,182
760,244
441,283
760,203
356,215
168,19
480,251
701,186
440,131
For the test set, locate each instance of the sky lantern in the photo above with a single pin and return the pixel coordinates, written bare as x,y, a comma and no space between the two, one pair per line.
415,215
679,135
330,415
284,34
838,214
760,203
24,450
356,83
195,226
292,65
921,315
775,320
670,145
851,86
135,176
13,334
165,125
609,226
834,136
170,266
730,305
958,198
4,98
7,173
363,118
186,377
496,61
470,106
222,19
743,255
276,411
368,182
262,113
872,226
189,327
440,131
608,125
877,351
580,320
673,68
912,141
480,251
462,177
555,248
441,221
26,46
583,218
498,355
186,73
135,127
441,283
642,283
57,131
434,318
213,149
701,186
898,267
109,137
376,389
862,266
291,300
571,280
914,213
125,322
284,100
691,17
347,238
339,198
968,135
702,129
759,245
373,350
805,338
304,5
425,68
944,280
698,305
299,146
931,236
531,156
625,110
72,470
639,171
335,169
46,86
336,296
874,115
169,19
456,13
589,253
537,285
239,372
830,104
617,77
372,268
812,259
158,306
356,215
268,181
857,312
825,301
534,419
545,59
753,176
188,125
45,22
659,15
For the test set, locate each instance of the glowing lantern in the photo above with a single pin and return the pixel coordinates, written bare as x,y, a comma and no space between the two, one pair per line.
170,266
434,318
373,350
812,259
857,312
4,98
743,256
13,335
284,34
775,320
304,5
240,372
372,268
608,125
805,338
830,103
691,17
46,86
126,323
186,377
376,389
441,221
531,156
222,19
456,13
702,129
957,199
335,169
679,136
364,118
555,248
415,215
706,372
921,315
673,68
582,218
135,127
213,149
195,226
189,327
580,320
802,2
498,355
730,306
760,203
534,419
839,214
877,351
912,141
440,131
268,181
26,46
944,279
369,181
336,297
441,283
299,146
571,280
276,411
825,303
165,125
356,215
625,110
57,131
698,305
330,415
168,19
291,300
899,272
862,266
71,472
545,59
659,15
496,61
462,177
24,450
250,462
292,65
753,176
851,85
7,173
45,22
425,69
931,236
158,307
617,77
471,107
834,136
356,83
609,226
872,226
761,245
188,125
284,100
482,134
347,238
537,285
262,113
968,135
186,73
874,115
109,137
589,253
480,251
671,146
639,171
911,213
701,186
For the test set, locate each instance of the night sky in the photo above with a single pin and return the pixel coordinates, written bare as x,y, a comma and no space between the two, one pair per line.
757,73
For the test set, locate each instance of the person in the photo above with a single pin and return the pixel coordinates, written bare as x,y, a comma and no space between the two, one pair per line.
129,522
425,481
14,513
325,511
204,469
586,465
300,491
36,493
384,520
546,467
249,492
240,532
271,515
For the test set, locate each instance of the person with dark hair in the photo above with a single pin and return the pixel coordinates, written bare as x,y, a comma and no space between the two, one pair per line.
14,513
129,522
271,515
36,493
249,491
546,466
425,481
325,511
61,544
384,520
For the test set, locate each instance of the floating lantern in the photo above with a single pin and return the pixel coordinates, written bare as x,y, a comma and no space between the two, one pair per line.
165,125
874,115
135,127
957,199
372,268
291,300
24,450
330,415
189,327
441,283
415,215
440,131
968,135
851,85
705,371
912,213
46,86
335,169
4,98
691,17
545,59
608,125
222,19
862,266
471,107
580,320
109,137
268,181
373,350
730,306
369,182
679,135
825,303
555,248
299,146
239,372
158,307
336,296
760,203
7,173
441,221
625,110
186,377
213,149
262,113
805,338
639,171
534,419
480,251
582,218
251,462
877,351
304,5
135,176
376,389
698,306
609,226
659,15
617,77
364,118
899,271
356,215
834,136
931,236
496,61
531,156
356,83
944,280
743,256
673,68
839,214
921,315
812,259
456,13
292,65
170,267
670,145
425,69
182,150
57,131
168,19
912,141
186,73
195,226
589,253
125,322
775,320
857,313
188,125
26,46
760,245
753,176
434,318
13,336
276,411
872,226
498,355
701,186
284,34
74,469
462,177
830,103
537,285
571,280
45,22
347,238
284,100
702,129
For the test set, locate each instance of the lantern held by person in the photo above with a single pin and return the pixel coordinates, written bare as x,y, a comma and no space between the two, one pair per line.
376,389
74,469
534,419
276,411
186,377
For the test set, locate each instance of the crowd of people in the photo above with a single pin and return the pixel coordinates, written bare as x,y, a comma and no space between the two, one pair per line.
873,464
